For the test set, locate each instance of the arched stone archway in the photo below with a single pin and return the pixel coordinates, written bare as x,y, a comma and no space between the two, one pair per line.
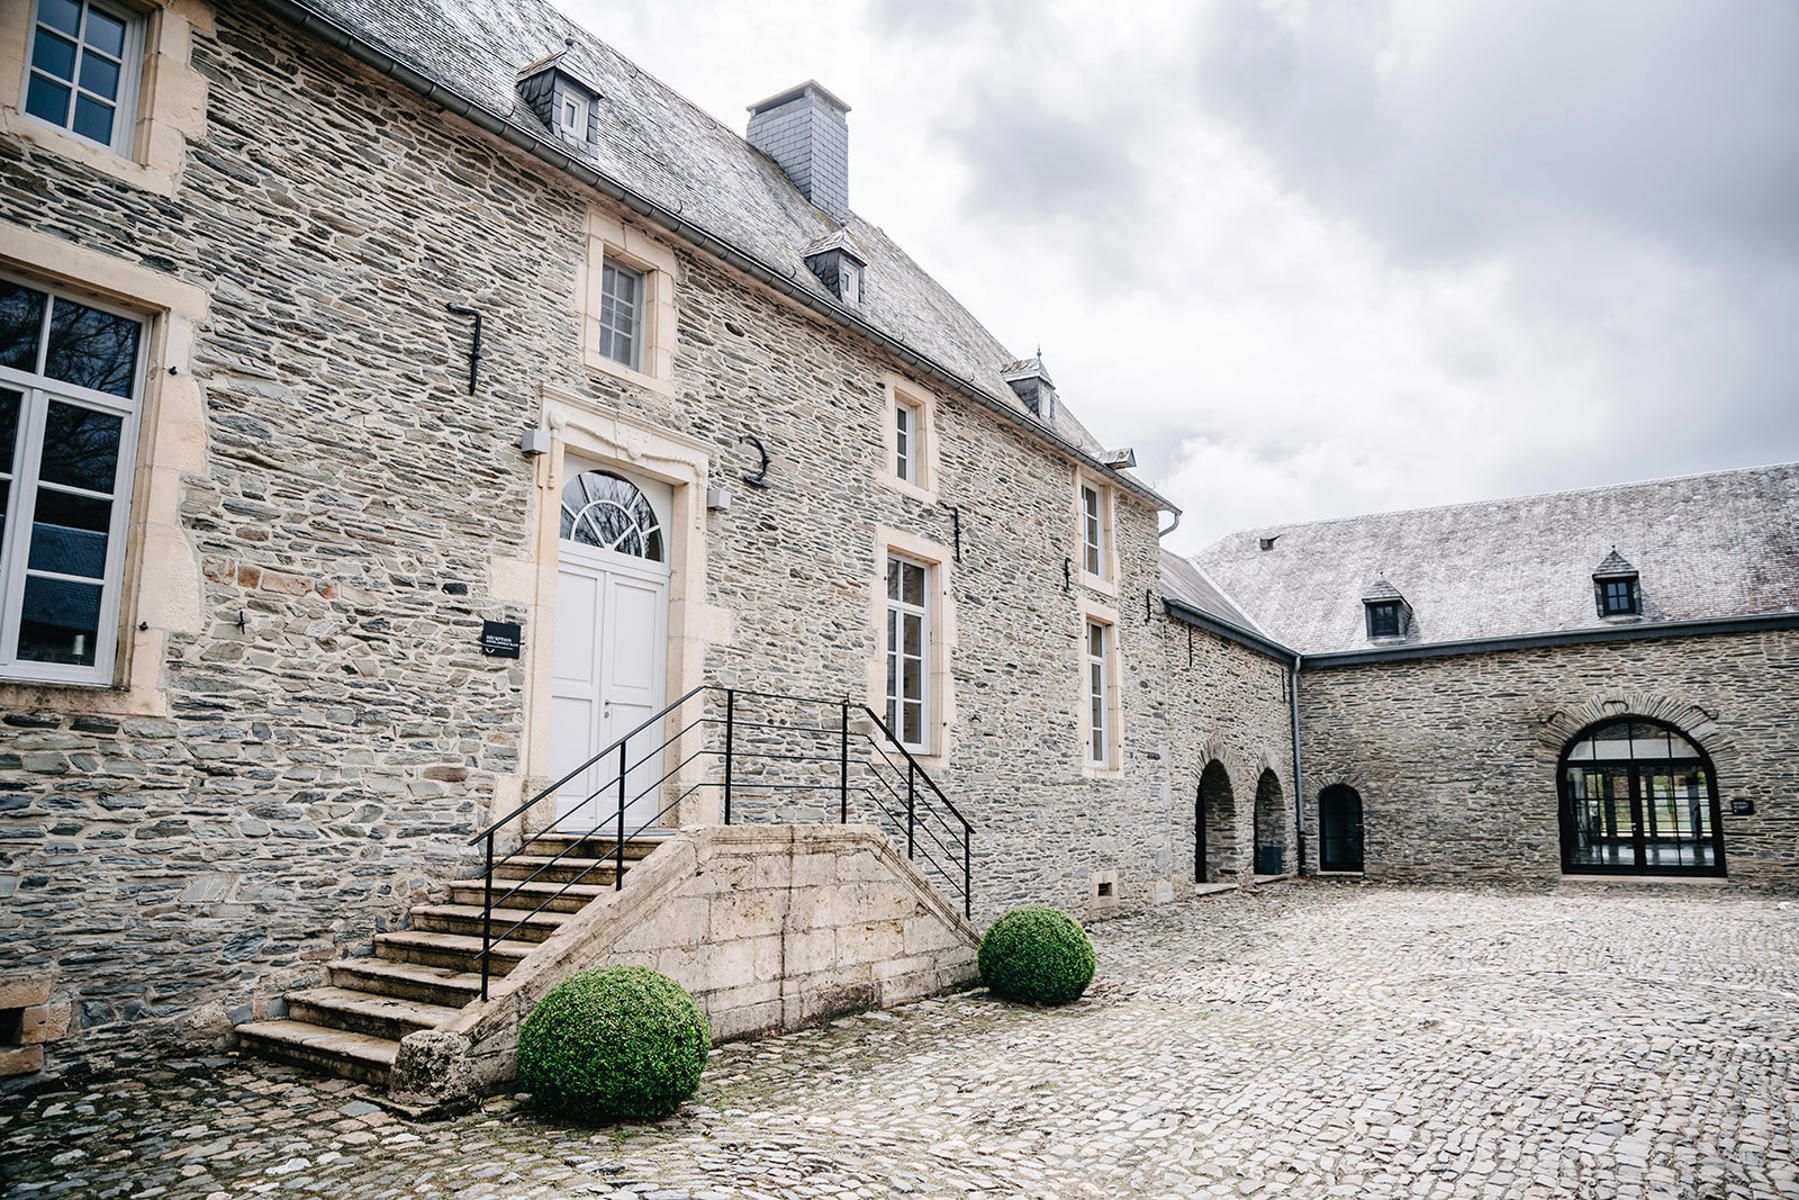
1216,858
1270,826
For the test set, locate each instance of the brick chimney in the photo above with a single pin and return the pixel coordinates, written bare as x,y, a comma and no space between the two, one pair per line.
805,131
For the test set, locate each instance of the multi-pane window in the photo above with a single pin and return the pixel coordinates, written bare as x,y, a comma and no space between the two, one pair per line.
908,651
1618,597
849,283
1099,698
621,314
905,441
84,66
1093,530
1384,619
69,389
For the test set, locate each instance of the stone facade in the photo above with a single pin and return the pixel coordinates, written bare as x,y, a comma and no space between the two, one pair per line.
1455,758
319,732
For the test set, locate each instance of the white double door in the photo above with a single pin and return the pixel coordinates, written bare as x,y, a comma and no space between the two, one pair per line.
609,675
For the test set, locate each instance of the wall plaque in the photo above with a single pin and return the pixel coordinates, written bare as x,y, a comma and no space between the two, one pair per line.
1742,808
501,639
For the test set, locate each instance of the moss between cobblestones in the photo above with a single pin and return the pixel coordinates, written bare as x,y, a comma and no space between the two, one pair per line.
1037,955
613,1042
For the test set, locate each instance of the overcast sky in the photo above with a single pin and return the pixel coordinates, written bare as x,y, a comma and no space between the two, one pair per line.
1314,259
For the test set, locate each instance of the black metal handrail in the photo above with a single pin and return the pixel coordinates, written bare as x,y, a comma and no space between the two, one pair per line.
761,743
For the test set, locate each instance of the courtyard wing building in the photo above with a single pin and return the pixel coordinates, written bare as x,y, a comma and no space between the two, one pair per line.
471,515
1587,683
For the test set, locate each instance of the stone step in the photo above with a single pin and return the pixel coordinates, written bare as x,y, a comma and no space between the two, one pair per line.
546,868
321,1048
365,1012
456,951
590,845
406,981
466,919
564,898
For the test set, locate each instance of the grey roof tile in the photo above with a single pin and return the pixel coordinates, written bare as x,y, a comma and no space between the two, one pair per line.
1183,581
1716,545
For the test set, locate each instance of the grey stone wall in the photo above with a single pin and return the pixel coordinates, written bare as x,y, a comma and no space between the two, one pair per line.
1455,758
334,734
1227,704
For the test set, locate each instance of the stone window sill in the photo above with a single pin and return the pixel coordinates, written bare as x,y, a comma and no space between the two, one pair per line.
619,370
907,488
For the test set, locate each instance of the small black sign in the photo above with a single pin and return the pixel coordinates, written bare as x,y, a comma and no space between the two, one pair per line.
1742,808
501,639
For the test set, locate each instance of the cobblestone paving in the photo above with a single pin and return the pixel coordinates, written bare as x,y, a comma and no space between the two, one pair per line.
1307,1040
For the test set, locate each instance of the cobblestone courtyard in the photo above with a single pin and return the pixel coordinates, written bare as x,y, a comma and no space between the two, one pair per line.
1307,1040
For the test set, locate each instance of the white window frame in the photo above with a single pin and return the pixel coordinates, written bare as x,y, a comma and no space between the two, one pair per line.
893,656
1100,700
912,471
131,69
610,240
572,127
849,282
906,439
640,286
39,392
1095,532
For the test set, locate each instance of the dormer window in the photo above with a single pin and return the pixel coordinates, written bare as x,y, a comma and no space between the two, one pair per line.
838,266
562,102
1030,382
1384,619
1615,591
1386,612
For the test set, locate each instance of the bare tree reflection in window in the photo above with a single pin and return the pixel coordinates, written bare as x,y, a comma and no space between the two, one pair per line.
92,349
608,512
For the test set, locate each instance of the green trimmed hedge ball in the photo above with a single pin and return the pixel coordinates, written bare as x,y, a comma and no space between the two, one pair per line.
1037,955
613,1042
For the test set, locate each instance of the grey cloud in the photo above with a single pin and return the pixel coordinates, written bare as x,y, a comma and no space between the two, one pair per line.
1675,121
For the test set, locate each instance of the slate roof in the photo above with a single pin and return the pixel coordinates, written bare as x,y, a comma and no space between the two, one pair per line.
658,144
1706,546
1183,581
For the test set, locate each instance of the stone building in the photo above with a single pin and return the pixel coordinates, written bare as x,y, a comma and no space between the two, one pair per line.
1587,684
408,401
449,473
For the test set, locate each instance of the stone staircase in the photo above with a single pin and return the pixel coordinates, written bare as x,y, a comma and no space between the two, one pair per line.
421,977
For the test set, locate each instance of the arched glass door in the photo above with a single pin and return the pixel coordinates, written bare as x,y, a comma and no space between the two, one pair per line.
1639,798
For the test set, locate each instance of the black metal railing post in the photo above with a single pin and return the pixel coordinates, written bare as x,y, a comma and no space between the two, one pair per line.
911,805
487,915
730,717
618,864
967,872
843,770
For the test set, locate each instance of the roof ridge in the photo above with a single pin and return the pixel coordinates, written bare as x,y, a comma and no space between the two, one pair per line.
1657,481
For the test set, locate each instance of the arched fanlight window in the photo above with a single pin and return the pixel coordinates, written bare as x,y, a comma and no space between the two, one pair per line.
602,510
1626,740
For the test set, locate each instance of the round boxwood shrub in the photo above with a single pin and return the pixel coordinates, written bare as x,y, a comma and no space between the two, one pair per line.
613,1042
1037,955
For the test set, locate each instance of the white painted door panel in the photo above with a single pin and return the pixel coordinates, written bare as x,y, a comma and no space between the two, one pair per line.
607,678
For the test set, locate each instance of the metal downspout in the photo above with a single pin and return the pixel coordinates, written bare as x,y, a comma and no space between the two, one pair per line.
1299,775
